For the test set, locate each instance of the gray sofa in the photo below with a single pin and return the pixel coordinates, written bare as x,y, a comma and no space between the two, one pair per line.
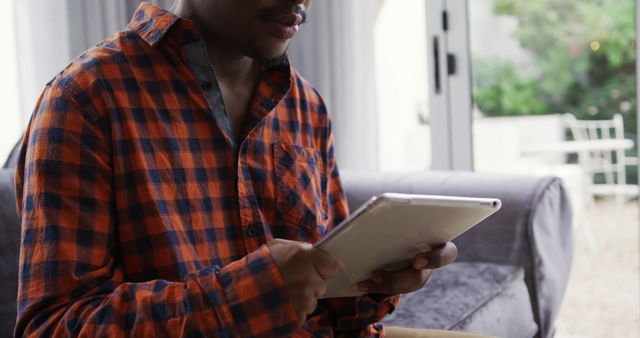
512,269
509,279
9,249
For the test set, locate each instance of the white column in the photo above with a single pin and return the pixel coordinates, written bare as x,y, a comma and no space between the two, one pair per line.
451,105
460,90
91,21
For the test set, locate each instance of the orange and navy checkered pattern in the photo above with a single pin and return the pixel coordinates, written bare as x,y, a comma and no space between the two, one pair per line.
139,218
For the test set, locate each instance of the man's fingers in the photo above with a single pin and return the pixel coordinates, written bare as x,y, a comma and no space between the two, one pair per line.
325,265
312,303
436,258
396,282
369,286
318,285
304,270
302,318
421,261
399,280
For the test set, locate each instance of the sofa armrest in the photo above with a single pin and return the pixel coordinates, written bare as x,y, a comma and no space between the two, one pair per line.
12,159
532,230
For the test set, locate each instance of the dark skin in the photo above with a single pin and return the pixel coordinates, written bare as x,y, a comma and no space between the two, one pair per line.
239,35
237,41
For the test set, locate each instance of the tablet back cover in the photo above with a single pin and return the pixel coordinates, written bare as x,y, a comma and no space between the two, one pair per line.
390,231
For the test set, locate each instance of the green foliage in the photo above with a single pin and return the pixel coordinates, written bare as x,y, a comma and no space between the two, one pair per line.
501,91
584,52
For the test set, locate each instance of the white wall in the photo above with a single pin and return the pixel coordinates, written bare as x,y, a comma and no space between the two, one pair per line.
91,21
43,47
10,121
51,33
402,86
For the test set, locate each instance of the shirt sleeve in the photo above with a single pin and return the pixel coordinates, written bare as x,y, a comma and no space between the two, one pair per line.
350,317
70,281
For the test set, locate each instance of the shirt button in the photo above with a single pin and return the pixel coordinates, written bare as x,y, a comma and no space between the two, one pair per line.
206,86
252,231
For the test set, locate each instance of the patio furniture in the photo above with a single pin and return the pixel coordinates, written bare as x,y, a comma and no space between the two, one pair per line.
601,147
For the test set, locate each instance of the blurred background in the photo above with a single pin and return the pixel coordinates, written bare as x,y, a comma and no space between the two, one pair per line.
536,87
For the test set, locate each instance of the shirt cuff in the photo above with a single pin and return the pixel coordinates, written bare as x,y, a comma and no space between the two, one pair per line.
256,302
365,310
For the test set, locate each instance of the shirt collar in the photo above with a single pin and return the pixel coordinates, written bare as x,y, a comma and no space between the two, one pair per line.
152,23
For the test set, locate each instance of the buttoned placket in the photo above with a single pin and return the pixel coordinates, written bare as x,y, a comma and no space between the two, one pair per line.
198,61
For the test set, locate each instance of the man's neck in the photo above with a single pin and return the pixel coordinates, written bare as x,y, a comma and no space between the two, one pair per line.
237,74
232,68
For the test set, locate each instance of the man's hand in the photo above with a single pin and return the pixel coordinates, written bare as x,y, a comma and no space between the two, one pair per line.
304,270
412,278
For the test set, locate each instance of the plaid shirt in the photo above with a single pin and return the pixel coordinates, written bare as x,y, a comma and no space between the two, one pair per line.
143,216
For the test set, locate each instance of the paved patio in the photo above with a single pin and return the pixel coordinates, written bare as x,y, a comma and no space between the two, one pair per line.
603,297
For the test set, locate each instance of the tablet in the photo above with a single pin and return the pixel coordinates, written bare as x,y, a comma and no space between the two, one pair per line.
390,229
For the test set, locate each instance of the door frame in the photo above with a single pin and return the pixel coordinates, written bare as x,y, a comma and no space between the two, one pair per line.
638,83
451,96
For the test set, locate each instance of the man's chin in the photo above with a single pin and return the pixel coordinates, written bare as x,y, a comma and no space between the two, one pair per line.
272,56
267,52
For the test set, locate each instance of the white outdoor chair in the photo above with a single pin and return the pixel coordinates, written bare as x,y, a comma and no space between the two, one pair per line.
610,163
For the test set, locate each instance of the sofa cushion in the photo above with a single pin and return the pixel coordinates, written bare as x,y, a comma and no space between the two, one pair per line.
483,298
9,253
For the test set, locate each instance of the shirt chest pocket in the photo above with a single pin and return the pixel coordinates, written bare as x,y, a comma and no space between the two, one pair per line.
300,191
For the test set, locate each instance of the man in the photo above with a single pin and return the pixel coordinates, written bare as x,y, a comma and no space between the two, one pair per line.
171,179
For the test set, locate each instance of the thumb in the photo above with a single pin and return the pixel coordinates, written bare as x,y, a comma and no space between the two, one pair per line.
325,265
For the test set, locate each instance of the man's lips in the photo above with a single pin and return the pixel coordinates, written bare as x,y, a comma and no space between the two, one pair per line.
286,19
283,26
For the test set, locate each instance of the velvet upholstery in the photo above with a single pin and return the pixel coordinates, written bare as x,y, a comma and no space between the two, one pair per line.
470,297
